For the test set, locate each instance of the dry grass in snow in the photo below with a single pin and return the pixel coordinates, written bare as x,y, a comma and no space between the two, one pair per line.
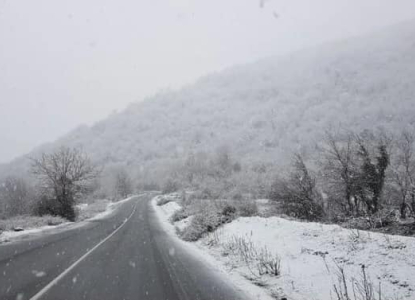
301,260
313,254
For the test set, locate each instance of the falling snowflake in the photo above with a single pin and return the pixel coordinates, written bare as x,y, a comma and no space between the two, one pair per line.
20,296
38,273
132,264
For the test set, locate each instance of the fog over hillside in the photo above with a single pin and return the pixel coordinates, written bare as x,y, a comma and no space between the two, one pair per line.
264,110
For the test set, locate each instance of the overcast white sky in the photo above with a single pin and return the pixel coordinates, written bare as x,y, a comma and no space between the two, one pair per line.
63,63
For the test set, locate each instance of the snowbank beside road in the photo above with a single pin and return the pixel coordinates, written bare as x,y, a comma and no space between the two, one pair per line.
9,236
87,212
311,254
164,213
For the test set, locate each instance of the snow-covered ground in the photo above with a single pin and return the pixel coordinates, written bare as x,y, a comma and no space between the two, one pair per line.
310,255
88,212
164,212
10,236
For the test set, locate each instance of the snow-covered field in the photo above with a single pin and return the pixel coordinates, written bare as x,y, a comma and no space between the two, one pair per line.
87,212
311,255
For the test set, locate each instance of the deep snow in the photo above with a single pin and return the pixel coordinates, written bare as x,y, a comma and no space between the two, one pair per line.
311,254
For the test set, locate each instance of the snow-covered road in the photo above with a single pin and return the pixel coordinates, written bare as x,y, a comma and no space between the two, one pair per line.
127,255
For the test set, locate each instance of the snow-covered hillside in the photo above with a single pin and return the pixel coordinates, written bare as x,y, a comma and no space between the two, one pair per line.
264,109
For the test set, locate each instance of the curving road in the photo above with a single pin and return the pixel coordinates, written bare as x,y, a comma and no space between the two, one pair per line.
124,256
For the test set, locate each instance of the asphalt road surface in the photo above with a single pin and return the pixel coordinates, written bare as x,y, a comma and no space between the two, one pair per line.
124,256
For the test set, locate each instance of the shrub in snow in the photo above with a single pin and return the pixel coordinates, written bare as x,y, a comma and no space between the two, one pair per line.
383,217
356,289
207,220
228,210
268,263
228,213
51,206
179,215
163,200
259,260
247,208
54,220
201,223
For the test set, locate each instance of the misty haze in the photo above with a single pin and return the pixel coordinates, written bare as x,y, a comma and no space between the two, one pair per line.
188,149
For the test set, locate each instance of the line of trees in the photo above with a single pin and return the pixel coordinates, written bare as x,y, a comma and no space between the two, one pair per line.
355,174
212,174
349,175
123,184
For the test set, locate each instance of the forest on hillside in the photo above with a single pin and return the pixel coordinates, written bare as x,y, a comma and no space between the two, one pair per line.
239,128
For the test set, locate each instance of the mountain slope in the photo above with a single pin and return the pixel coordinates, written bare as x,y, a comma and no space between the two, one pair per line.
262,111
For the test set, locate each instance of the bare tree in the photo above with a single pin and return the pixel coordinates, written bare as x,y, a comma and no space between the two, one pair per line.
123,184
190,168
403,172
63,176
340,168
195,167
374,155
298,193
354,168
223,161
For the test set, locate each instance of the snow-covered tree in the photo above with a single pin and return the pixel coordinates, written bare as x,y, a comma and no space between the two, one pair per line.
63,175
